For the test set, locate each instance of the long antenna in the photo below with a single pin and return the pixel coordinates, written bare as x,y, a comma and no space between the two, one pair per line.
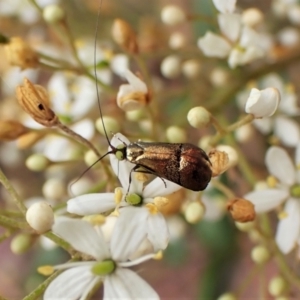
95,73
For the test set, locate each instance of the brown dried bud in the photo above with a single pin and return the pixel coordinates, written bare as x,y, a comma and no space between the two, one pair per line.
241,210
35,101
11,130
124,35
219,162
20,54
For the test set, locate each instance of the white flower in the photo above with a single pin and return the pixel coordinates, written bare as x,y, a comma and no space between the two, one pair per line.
284,127
241,44
281,166
262,103
110,265
133,95
143,213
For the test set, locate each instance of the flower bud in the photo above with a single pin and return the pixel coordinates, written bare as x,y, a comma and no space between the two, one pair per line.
227,296
194,212
54,189
135,115
177,40
252,17
244,133
40,216
175,134
191,68
37,162
198,117
219,162
11,130
20,243
35,101
172,15
245,227
90,158
260,254
20,54
133,95
277,286
262,103
53,13
219,77
110,123
241,210
170,67
124,36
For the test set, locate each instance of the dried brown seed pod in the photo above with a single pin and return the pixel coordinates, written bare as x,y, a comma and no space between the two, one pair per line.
241,210
11,130
34,100
124,35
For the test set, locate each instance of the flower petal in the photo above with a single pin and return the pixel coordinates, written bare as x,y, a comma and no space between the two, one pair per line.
82,236
126,284
262,103
288,229
227,6
287,131
137,84
157,231
213,45
266,200
71,284
157,188
230,25
128,233
91,204
280,165
265,125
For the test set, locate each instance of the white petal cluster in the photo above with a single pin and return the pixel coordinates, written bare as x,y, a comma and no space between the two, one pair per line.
284,170
239,42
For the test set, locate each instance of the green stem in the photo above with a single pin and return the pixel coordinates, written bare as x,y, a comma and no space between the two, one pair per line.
14,195
12,223
59,241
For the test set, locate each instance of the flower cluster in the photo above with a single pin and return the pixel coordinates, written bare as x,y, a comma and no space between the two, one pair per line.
208,99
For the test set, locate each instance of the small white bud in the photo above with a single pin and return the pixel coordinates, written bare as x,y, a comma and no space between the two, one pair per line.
175,134
204,142
20,243
194,212
177,40
289,36
262,103
252,17
277,286
37,162
111,125
90,158
40,216
198,117
170,66
191,68
134,115
172,15
218,77
260,254
245,226
244,133
294,14
53,13
227,296
54,189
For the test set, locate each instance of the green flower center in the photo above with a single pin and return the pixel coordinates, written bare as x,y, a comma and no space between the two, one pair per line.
120,152
103,267
134,199
295,191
